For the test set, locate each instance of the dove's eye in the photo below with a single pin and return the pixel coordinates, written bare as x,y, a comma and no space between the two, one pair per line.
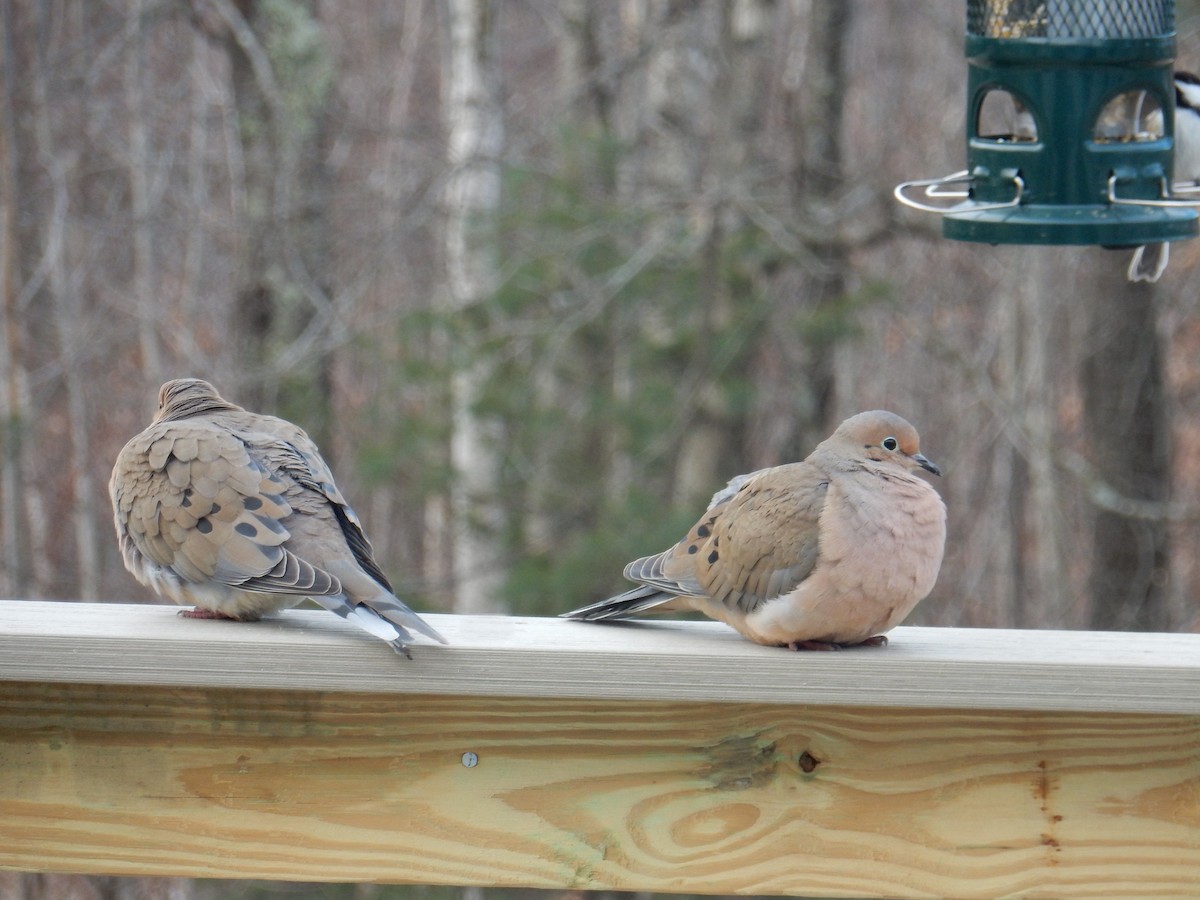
890,443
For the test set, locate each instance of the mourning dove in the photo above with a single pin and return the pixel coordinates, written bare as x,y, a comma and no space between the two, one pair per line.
824,553
238,514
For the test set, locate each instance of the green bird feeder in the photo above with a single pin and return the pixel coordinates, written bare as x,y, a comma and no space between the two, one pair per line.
1070,127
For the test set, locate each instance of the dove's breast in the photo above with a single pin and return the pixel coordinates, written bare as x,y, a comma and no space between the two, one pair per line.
881,546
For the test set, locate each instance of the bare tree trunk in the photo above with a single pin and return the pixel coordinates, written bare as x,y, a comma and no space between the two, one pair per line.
71,326
676,109
283,314
729,129
13,411
791,411
1033,399
628,121
191,287
28,564
147,305
475,138
1010,590
1127,424
255,158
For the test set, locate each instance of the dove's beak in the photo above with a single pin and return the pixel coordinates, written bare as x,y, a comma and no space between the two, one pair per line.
926,464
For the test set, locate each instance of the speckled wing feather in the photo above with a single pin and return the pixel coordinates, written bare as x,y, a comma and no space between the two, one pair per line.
768,539
287,449
682,580
195,501
752,545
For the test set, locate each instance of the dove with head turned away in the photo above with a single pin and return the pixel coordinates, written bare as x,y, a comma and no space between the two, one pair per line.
238,514
825,553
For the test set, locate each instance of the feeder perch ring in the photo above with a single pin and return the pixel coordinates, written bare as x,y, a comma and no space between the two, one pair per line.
932,189
1167,200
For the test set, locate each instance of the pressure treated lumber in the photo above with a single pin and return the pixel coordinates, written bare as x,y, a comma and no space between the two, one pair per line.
597,794
504,656
673,756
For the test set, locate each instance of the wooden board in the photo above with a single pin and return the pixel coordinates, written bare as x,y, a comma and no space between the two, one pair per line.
703,797
665,660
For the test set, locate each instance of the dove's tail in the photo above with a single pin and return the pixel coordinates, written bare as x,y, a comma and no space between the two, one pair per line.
397,613
385,616
639,600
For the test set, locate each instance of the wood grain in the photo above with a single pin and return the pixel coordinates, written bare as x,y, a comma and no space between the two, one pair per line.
505,656
745,798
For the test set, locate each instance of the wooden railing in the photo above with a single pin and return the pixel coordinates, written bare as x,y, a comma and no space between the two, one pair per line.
654,757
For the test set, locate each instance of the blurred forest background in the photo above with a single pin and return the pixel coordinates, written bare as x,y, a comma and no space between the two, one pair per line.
540,276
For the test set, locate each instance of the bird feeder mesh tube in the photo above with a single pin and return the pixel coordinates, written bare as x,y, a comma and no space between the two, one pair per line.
1070,19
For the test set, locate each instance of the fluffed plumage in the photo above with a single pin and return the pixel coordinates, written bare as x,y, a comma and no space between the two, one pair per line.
828,552
238,514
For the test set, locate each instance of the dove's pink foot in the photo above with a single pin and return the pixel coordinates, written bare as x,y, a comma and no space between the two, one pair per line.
880,640
813,645
201,613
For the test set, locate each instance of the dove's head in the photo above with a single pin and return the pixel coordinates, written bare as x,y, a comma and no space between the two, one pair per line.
186,397
881,436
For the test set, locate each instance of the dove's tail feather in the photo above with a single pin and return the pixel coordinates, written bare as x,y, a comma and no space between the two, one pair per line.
639,600
373,621
396,612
